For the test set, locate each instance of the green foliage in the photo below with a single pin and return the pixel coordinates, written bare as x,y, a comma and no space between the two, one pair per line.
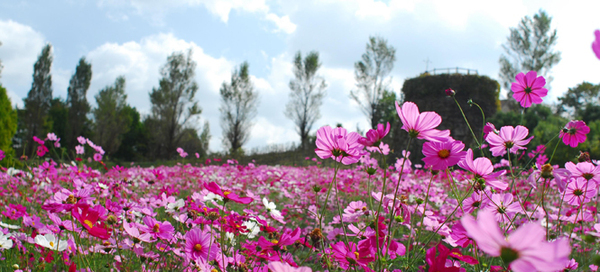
111,116
173,104
78,124
58,118
529,47
239,102
307,90
371,77
580,101
8,123
38,100
134,143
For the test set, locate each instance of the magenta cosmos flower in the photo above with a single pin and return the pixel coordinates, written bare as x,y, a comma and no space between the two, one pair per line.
199,245
339,144
226,194
374,137
441,155
508,138
596,44
483,170
421,125
529,89
524,250
574,133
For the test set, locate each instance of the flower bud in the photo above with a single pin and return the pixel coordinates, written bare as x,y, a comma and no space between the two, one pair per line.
583,157
450,92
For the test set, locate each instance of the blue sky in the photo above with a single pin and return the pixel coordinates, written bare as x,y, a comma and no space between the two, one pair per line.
134,38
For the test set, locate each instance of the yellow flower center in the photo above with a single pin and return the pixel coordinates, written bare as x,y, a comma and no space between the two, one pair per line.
155,228
226,193
51,244
198,247
356,254
274,241
444,153
88,223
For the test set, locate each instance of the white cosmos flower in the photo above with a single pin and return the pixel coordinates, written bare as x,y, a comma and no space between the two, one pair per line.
253,228
9,226
5,242
272,209
51,242
171,207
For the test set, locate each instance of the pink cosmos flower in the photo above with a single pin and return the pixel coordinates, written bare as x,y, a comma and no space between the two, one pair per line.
574,133
441,155
284,267
81,140
476,201
584,170
483,169
489,127
510,138
2,155
421,125
524,250
351,255
162,230
89,219
373,137
339,144
579,191
226,194
529,89
79,149
596,44
503,207
133,231
199,245
444,262
97,157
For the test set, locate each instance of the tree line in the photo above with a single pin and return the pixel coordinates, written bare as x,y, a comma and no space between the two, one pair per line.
174,117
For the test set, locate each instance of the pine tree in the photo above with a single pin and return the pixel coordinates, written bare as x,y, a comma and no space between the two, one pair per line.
307,90
173,104
38,100
8,123
111,118
77,102
370,74
239,102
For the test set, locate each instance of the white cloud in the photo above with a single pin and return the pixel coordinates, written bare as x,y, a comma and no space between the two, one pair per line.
220,8
20,48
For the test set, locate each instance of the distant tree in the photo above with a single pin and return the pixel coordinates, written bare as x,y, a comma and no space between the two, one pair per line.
306,95
111,118
38,100
58,118
386,109
8,123
370,74
204,140
239,102
530,47
579,98
134,143
77,102
173,103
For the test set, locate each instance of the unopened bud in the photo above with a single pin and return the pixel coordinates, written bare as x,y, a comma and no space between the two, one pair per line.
450,92
583,157
547,171
371,171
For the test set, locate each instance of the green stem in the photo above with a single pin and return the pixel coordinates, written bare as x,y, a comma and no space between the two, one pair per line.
468,124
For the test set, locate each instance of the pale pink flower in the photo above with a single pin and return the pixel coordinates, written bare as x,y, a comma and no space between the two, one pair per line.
374,137
584,170
421,125
529,89
503,207
284,267
483,170
79,149
579,191
510,138
524,250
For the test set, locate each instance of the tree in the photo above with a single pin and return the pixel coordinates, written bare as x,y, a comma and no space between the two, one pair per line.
370,74
576,100
8,122
77,102
112,120
38,100
306,96
530,47
173,103
134,143
239,104
58,118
